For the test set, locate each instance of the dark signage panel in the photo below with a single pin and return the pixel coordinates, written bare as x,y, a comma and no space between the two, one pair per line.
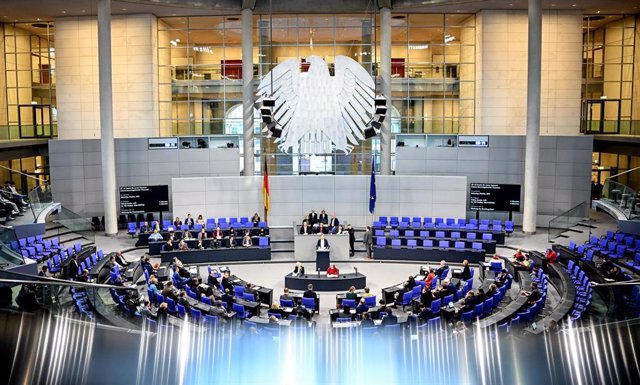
139,199
494,197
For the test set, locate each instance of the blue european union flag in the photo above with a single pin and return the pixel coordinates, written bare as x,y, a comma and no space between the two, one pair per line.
372,187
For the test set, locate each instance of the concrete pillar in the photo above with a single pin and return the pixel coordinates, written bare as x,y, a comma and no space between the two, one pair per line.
532,143
107,143
385,87
247,91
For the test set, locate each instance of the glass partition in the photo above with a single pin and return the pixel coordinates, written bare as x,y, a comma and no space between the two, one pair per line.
74,222
622,197
40,198
567,220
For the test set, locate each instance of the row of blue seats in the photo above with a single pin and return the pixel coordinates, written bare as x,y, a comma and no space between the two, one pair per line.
37,248
583,290
90,261
426,243
451,223
81,303
424,234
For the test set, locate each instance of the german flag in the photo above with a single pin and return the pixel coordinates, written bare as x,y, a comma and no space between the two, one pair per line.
265,188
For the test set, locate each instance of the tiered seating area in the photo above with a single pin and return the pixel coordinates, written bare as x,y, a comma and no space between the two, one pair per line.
38,249
583,290
618,246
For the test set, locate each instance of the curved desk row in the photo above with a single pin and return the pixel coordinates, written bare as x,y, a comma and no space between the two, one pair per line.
429,254
155,248
322,283
563,284
218,255
516,305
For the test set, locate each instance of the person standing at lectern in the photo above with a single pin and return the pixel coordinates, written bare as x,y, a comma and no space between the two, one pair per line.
305,229
352,239
367,239
322,243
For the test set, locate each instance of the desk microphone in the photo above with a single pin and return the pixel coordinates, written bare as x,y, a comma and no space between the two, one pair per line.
318,270
356,269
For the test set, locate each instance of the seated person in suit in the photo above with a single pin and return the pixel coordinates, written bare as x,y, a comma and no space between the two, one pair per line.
178,279
298,270
426,296
182,300
466,270
367,322
232,232
200,244
286,296
351,294
183,246
119,259
155,236
390,318
424,313
309,293
441,269
226,282
200,220
341,312
361,308
202,235
532,295
187,235
333,272
189,221
146,265
255,220
168,246
410,283
493,289
323,218
322,243
502,278
212,280
219,311
246,241
305,229
145,228
232,241
445,290
333,223
177,223
168,291
468,303
340,230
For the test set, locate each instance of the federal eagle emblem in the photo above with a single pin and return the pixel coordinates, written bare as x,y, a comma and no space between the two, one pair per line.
317,112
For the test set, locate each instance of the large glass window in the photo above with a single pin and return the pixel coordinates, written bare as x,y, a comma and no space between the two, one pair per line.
29,57
433,74
608,74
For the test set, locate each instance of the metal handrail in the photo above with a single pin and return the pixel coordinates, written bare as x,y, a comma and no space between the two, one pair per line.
624,172
19,172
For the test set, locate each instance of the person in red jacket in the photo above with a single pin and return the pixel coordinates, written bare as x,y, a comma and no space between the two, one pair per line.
550,257
333,271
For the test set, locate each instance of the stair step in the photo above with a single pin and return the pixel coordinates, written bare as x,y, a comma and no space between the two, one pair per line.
575,231
587,225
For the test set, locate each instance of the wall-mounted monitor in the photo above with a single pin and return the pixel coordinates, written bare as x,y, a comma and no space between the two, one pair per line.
494,197
163,143
144,199
473,141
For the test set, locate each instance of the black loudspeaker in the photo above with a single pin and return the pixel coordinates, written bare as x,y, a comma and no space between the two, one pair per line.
369,132
375,124
276,132
269,102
